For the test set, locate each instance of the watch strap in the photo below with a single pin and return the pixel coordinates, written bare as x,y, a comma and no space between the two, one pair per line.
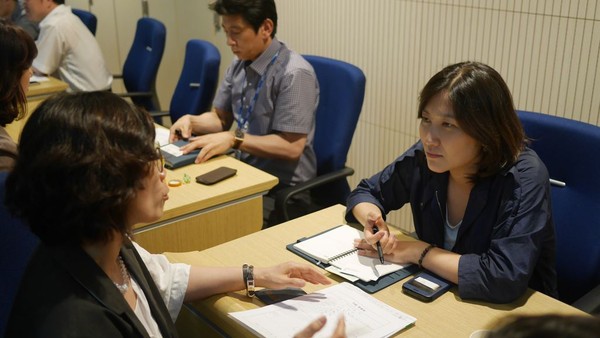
238,138
248,275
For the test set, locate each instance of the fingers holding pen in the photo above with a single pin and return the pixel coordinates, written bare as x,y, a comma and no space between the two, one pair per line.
376,230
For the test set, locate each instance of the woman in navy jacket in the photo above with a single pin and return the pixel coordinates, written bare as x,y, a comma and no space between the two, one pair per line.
479,197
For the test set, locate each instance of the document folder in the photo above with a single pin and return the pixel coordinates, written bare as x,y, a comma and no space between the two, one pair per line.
371,286
174,158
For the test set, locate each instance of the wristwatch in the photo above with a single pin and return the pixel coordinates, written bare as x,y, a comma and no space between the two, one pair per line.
248,275
239,138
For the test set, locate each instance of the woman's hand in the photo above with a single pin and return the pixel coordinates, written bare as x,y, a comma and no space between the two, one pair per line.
404,252
290,274
388,242
318,324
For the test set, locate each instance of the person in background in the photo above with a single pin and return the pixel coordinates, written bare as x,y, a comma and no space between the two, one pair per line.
271,94
88,170
17,51
480,198
548,325
67,49
11,10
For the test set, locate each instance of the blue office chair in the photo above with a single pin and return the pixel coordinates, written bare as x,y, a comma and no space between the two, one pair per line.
342,91
142,62
17,244
88,19
570,150
198,81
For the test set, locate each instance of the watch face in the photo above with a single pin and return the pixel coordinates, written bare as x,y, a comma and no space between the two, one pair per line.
239,133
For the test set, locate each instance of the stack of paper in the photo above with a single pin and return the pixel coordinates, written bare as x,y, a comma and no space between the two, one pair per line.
365,315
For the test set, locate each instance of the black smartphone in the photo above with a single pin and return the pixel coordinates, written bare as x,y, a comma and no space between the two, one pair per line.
426,286
271,296
215,176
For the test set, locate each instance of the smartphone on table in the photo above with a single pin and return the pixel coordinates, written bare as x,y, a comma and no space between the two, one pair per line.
216,175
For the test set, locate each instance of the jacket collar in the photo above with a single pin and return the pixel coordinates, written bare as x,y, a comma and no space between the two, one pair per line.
435,195
90,277
142,276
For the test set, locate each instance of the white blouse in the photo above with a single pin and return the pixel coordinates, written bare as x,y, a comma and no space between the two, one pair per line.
171,280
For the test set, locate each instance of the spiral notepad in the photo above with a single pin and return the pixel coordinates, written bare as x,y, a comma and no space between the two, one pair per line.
336,247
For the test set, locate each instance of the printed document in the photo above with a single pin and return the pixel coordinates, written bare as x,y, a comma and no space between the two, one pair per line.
365,315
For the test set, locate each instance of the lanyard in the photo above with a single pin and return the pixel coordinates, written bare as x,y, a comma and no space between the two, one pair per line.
243,116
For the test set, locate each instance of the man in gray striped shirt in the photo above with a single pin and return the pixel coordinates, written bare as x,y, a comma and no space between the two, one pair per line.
270,93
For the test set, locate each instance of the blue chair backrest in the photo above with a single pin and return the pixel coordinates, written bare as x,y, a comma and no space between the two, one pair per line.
342,91
141,66
17,244
198,80
571,151
88,19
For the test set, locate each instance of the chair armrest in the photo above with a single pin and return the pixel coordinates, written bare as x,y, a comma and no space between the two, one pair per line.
590,302
284,195
159,113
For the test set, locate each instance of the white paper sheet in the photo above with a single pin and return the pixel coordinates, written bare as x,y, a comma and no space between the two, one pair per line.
365,315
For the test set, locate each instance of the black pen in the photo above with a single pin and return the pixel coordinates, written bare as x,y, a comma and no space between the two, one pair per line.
178,133
379,249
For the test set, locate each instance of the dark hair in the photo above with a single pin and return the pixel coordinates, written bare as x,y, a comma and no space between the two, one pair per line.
59,2
17,51
82,159
484,109
255,12
550,325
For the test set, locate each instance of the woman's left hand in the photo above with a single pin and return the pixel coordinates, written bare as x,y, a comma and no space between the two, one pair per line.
290,274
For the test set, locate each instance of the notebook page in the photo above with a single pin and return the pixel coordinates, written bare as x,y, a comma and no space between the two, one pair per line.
332,243
366,268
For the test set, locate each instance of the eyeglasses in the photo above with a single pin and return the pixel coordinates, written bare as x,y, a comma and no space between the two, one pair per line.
160,163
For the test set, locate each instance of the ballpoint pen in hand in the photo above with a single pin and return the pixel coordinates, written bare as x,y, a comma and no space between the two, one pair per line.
379,249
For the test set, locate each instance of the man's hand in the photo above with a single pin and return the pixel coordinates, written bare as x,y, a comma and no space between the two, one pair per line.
182,129
211,144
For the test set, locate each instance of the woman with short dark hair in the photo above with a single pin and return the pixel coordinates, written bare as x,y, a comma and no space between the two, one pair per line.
480,198
17,51
87,172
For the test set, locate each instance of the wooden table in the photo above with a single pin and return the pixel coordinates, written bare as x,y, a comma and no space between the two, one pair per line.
447,316
37,93
198,216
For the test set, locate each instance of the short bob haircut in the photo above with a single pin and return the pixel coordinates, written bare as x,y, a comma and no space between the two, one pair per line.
255,12
82,159
17,51
484,109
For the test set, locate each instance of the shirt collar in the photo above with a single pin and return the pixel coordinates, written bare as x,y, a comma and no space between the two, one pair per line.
261,64
57,11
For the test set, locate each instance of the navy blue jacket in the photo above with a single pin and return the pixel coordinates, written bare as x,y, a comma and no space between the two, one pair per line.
506,238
